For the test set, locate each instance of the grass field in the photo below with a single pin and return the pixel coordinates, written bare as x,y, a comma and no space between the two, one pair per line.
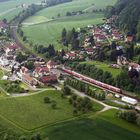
9,9
104,67
31,112
50,32
50,27
88,129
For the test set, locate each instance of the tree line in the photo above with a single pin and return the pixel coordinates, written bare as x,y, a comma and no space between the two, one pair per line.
83,87
130,116
122,80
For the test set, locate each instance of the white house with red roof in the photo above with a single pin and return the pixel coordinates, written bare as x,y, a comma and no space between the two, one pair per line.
51,64
100,37
11,49
70,55
48,79
129,38
135,66
24,70
40,71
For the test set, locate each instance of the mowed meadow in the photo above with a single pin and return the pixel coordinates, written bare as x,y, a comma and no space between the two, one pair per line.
45,27
10,8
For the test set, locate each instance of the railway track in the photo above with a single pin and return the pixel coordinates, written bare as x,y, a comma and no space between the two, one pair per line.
98,84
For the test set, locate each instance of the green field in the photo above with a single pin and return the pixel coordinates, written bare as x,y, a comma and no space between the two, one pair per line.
31,112
104,67
45,27
9,9
88,129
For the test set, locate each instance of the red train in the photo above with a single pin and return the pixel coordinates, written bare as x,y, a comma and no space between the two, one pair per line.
97,83
92,81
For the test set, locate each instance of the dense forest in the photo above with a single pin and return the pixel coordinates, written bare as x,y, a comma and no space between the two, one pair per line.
129,16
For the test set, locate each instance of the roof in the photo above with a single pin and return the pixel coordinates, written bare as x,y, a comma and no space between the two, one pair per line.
13,47
3,25
89,49
24,70
28,78
41,69
48,78
51,63
100,36
129,38
134,65
71,54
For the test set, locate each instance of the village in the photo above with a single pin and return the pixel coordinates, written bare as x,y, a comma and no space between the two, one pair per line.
103,35
36,73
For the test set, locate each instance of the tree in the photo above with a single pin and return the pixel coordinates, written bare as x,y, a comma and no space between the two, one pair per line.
54,105
47,100
138,120
64,34
66,90
30,65
75,112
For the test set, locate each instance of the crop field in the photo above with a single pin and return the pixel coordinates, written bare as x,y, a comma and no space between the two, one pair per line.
11,8
45,26
104,67
88,129
105,127
31,112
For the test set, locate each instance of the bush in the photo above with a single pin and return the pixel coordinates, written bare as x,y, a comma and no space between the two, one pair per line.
47,100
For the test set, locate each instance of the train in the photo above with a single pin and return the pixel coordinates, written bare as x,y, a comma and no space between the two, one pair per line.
97,83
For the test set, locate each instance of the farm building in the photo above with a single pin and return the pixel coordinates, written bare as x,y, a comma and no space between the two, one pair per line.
129,100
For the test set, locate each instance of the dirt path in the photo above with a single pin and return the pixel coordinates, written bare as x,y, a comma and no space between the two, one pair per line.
106,107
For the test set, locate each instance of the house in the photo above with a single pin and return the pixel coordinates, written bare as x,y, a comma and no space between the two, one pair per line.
3,25
89,50
29,80
129,39
51,64
11,49
48,79
134,66
100,37
4,62
24,71
70,55
97,31
40,71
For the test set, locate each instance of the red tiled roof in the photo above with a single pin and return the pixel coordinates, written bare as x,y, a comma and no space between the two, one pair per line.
129,38
41,69
100,36
51,63
13,47
71,54
48,78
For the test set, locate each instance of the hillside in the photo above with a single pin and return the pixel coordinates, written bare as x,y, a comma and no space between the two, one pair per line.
129,16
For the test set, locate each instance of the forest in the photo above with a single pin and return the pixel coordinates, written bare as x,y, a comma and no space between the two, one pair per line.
129,16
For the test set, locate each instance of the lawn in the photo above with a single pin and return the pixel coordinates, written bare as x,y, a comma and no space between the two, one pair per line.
50,28
89,129
31,112
104,67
